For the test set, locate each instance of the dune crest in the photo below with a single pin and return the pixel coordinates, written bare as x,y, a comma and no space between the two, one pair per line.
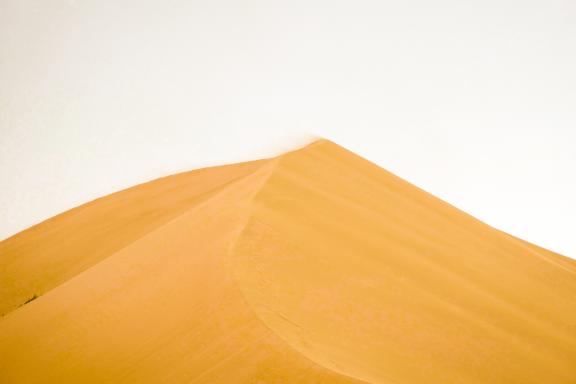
316,266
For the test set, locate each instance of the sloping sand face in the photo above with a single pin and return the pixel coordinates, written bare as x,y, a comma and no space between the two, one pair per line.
44,256
313,267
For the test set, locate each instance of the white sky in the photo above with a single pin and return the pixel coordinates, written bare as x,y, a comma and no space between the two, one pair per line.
474,101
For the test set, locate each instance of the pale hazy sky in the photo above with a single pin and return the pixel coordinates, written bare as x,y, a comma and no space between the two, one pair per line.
474,101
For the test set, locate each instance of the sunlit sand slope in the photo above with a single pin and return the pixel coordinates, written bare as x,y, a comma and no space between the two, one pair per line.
372,277
313,267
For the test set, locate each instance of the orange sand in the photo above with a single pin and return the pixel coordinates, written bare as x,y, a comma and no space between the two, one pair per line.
313,267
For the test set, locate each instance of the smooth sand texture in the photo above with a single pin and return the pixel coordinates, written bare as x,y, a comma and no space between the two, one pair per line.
313,267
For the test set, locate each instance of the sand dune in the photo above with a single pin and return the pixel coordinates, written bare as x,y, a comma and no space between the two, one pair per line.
316,266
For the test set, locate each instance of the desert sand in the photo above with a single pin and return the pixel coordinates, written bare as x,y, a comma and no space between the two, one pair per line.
315,266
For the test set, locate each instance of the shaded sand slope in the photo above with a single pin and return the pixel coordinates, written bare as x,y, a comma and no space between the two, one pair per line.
313,267
42,257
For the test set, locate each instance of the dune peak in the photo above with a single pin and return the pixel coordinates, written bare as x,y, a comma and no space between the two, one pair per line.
315,266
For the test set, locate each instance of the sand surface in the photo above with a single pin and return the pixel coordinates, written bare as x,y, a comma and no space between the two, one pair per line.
316,266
